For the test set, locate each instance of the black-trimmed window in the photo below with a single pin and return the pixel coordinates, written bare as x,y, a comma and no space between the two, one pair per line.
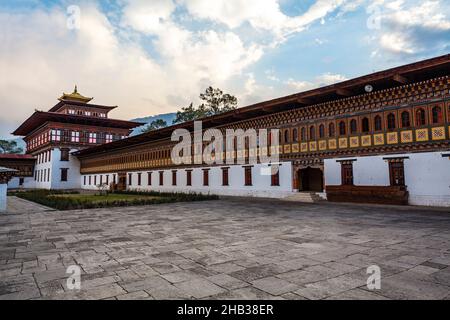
149,178
189,178
353,126
84,180
174,177
64,174
205,177
161,178
248,176
225,172
130,179
139,178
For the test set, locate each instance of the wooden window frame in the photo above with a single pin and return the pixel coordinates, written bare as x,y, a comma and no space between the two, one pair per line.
347,176
275,177
149,178
189,178
161,178
425,118
440,119
64,174
205,177
174,177
248,176
139,179
225,176
401,113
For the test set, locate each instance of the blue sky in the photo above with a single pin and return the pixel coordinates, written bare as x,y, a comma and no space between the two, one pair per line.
152,57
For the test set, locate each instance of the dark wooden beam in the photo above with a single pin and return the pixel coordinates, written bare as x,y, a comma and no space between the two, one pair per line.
344,92
305,101
400,79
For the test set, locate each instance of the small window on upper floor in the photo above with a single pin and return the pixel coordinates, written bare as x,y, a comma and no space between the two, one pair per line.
353,126
378,124
342,128
406,121
436,114
365,125
331,130
420,117
391,121
65,154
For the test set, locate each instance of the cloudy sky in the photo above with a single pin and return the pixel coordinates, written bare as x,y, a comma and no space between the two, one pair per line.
156,56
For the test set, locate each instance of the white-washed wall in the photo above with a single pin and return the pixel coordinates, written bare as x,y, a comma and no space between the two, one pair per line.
28,183
427,175
73,174
261,183
3,198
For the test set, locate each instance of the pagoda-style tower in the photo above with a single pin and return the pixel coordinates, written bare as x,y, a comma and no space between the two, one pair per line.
72,124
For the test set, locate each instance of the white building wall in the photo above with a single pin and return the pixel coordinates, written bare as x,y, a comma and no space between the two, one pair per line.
28,183
261,183
73,175
3,198
427,175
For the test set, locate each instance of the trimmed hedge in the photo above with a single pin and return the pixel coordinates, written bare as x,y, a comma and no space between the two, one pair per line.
45,198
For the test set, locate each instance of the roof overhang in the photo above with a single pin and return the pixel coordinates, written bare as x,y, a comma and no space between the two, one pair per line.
414,72
39,118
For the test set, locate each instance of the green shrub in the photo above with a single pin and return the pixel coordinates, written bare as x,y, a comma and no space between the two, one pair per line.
47,198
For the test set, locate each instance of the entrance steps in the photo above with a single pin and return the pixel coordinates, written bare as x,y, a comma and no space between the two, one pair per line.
307,197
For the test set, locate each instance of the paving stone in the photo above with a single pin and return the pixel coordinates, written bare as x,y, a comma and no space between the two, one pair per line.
274,286
228,282
226,248
200,288
137,295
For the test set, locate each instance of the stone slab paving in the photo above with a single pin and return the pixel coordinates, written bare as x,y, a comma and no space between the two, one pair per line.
225,249
18,205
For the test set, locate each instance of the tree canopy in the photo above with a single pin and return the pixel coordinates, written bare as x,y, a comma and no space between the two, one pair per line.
214,102
9,147
155,125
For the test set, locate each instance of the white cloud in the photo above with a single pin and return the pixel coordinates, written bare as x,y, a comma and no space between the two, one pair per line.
414,27
260,14
147,16
320,81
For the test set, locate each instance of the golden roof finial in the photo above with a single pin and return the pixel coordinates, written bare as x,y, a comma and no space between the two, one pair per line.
75,96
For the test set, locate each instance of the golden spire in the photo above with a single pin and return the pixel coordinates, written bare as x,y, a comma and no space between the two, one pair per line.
74,96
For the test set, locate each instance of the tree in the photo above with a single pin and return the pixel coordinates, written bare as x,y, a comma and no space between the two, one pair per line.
214,102
9,147
155,125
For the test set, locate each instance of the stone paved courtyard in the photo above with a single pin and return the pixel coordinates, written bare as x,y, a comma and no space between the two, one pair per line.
226,249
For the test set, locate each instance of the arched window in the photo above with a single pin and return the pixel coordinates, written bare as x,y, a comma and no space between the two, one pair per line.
331,131
321,131
378,123
312,133
342,129
420,117
353,126
286,136
436,113
391,121
365,125
303,134
295,135
406,122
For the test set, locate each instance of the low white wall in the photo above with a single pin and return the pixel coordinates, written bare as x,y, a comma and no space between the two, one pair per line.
28,183
3,198
261,183
427,175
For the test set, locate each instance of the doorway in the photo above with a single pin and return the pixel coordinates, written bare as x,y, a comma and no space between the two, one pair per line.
310,180
122,183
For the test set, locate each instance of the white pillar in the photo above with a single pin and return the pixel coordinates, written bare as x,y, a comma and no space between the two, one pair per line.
3,191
